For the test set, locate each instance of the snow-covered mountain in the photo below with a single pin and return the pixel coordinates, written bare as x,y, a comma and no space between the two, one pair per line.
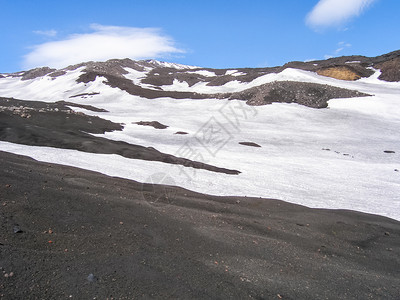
321,134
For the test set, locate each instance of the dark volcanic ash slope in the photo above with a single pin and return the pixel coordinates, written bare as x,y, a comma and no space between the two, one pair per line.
56,125
67,232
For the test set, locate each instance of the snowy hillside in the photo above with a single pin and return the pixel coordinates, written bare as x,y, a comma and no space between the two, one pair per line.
295,133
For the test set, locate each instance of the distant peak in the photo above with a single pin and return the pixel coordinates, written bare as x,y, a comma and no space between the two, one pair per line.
163,64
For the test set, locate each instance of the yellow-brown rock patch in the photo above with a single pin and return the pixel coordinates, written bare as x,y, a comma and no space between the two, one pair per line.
341,73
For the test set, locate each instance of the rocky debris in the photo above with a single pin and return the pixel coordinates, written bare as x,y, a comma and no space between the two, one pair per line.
17,229
390,70
155,124
85,94
115,67
181,132
57,73
338,152
25,109
251,144
35,73
309,94
38,72
21,111
8,275
91,278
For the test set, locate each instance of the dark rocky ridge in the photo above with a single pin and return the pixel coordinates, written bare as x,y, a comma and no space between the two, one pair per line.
56,125
360,65
133,89
309,94
351,67
159,75
346,68
304,93
72,223
38,72
87,107
357,63
390,69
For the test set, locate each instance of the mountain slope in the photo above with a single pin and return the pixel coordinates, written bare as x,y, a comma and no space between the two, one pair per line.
158,180
344,155
85,235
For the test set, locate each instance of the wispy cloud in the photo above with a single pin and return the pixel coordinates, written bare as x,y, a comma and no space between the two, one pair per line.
104,42
49,33
329,13
341,46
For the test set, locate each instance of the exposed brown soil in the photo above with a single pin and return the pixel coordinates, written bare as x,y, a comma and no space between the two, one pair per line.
341,73
70,233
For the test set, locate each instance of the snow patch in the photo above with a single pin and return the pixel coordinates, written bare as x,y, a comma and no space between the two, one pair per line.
234,73
203,73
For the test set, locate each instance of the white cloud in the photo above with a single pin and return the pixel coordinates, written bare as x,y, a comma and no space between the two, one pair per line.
338,50
335,12
340,47
49,33
104,42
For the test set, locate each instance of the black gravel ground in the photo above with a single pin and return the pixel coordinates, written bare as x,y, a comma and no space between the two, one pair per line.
69,233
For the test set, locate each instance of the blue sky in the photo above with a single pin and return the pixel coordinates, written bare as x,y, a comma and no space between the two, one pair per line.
216,34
